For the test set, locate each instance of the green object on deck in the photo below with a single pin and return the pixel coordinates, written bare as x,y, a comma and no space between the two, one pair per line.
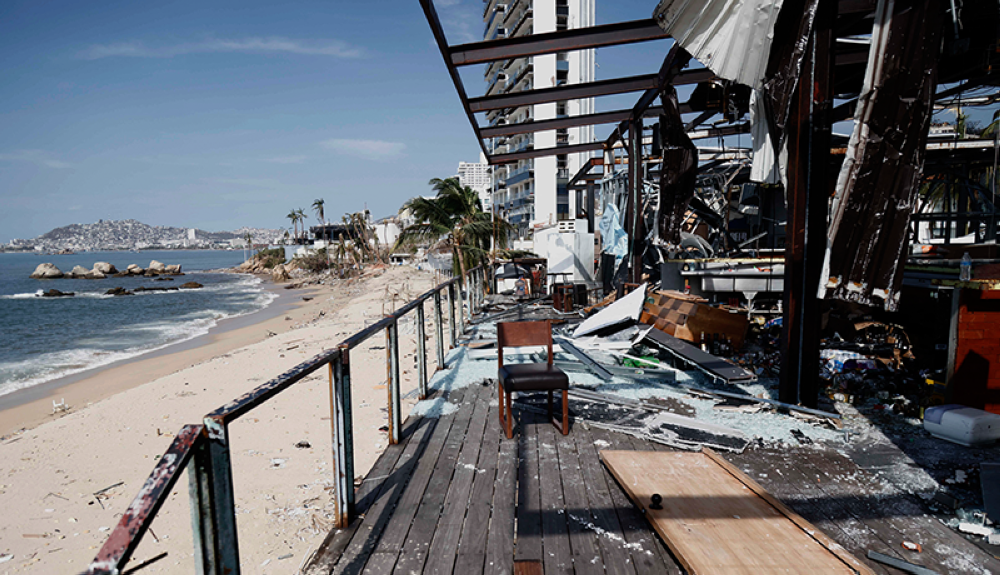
628,362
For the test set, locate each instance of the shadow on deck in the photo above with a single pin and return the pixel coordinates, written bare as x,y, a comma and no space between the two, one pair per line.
455,497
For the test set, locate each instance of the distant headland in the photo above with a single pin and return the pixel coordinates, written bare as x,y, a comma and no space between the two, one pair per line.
108,235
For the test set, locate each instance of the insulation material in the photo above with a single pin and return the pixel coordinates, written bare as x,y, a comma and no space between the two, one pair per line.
679,170
768,167
627,309
614,240
877,186
732,38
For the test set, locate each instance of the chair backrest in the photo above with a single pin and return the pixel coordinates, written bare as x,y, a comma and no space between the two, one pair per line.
523,333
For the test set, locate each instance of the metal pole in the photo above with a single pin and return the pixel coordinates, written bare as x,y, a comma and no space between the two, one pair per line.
439,329
342,427
421,353
461,304
451,314
392,372
213,509
808,190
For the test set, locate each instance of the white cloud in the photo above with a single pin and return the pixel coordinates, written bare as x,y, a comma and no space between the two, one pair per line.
368,149
269,45
37,157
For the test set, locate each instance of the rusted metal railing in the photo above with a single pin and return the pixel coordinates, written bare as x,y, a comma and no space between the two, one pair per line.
206,445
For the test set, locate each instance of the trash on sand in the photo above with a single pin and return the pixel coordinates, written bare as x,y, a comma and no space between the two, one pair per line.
912,546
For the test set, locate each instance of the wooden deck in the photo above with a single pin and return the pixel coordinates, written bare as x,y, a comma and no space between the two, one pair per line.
455,497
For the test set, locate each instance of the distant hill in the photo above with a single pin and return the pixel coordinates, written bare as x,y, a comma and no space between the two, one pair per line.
133,234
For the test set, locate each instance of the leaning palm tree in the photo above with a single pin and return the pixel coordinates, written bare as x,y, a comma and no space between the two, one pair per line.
455,219
318,207
248,237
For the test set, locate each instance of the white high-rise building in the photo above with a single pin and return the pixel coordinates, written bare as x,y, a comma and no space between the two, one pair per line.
477,176
535,191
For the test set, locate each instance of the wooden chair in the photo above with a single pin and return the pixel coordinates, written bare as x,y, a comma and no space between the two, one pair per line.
529,376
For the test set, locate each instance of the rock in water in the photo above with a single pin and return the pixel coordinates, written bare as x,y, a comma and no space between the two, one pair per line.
191,285
135,270
57,293
174,269
157,267
105,268
95,275
118,291
46,271
78,272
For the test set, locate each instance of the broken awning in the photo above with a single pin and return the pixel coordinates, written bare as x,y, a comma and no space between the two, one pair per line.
732,38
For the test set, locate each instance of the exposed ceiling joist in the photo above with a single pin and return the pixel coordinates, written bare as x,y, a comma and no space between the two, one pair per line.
497,159
560,41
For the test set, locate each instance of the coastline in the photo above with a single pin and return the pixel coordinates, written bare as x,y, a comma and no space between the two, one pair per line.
27,408
65,483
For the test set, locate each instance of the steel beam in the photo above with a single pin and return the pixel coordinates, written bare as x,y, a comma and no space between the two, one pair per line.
586,90
435,23
439,329
217,548
560,41
451,315
542,152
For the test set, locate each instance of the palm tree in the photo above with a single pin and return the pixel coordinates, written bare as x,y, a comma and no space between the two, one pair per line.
302,219
456,219
248,237
294,216
318,206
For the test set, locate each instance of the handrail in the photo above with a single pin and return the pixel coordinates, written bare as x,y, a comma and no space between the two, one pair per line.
206,445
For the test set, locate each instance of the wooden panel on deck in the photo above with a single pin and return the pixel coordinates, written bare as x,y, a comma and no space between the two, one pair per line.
717,520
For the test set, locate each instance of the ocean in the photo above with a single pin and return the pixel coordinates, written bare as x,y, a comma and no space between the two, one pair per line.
43,338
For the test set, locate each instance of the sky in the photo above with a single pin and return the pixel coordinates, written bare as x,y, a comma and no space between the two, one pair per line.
218,115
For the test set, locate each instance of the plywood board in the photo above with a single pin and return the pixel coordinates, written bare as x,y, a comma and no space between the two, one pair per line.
717,520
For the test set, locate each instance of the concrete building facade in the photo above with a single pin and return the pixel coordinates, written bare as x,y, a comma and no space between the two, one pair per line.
533,192
477,176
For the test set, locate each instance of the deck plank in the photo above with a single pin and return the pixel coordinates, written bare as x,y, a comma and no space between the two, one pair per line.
557,556
616,558
528,539
477,521
587,556
418,540
444,545
359,550
500,539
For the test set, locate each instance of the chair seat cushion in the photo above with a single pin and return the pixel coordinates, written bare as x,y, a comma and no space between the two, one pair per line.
532,377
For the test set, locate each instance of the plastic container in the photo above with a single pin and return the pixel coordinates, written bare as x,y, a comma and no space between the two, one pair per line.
963,425
965,268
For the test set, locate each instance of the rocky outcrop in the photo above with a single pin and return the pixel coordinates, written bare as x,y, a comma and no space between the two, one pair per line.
174,269
280,274
78,272
46,271
57,293
105,268
118,291
95,274
134,270
191,285
157,267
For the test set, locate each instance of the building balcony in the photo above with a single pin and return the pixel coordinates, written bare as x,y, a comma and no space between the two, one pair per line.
519,177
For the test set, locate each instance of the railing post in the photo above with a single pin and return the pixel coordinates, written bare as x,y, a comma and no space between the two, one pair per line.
451,314
213,508
439,329
463,282
392,379
342,424
421,353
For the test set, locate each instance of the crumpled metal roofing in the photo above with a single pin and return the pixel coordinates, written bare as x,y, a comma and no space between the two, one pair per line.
732,38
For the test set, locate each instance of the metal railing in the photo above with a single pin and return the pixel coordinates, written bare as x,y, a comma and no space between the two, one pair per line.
205,446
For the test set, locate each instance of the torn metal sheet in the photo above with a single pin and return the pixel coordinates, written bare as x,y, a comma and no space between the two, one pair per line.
877,186
678,172
585,359
643,421
792,31
732,38
621,311
710,364
768,165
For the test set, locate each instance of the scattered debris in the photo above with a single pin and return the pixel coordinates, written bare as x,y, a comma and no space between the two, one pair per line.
60,407
778,404
303,444
628,308
911,546
5,557
903,566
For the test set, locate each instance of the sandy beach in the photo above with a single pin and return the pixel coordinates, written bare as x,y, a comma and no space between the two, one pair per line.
123,417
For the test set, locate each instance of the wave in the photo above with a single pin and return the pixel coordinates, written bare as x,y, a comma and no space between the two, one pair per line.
158,335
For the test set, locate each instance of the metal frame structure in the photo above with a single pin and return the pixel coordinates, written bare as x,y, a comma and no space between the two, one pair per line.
203,449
